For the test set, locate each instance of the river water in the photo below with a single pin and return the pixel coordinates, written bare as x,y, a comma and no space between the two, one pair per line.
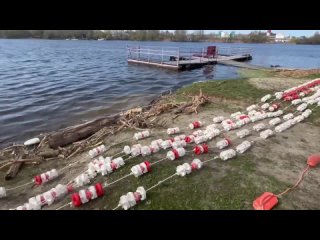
49,84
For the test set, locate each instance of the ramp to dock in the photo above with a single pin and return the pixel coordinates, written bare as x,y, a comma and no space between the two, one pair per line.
241,65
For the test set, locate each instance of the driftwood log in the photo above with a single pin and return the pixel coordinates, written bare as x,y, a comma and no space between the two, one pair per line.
49,153
73,134
14,169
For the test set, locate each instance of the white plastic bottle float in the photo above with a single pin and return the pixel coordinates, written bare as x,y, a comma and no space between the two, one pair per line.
141,135
274,121
258,127
296,101
266,133
179,144
84,196
196,124
176,153
211,126
171,131
212,133
166,144
179,138
265,106
110,166
274,114
288,116
46,177
97,151
140,169
184,169
243,133
223,143
274,107
278,95
47,198
285,125
3,192
266,98
201,139
298,118
227,154
243,147
200,149
234,115
218,119
132,198
302,107
157,143
198,133
306,113
31,141
251,108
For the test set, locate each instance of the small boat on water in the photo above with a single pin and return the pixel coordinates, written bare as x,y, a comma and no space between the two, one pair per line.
100,39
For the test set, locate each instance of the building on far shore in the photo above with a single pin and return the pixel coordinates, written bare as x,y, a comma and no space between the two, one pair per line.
276,37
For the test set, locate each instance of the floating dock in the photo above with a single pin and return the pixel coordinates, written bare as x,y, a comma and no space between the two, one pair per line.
185,59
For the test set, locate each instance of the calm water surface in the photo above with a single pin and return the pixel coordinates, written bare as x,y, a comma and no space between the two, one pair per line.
47,84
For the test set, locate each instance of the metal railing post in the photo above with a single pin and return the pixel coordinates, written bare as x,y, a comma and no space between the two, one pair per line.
178,56
138,52
162,56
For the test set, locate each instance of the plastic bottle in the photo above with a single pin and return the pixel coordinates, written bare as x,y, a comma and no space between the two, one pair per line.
266,133
243,133
244,146
228,154
96,151
223,143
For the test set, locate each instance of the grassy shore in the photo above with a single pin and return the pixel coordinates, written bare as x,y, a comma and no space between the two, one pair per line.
270,165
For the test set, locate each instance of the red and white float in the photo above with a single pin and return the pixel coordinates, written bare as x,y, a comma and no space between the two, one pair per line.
46,177
196,124
184,169
223,143
84,196
132,198
98,150
176,153
140,169
141,135
174,130
200,149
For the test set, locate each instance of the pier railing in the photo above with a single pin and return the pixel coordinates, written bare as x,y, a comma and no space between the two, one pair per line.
175,55
229,51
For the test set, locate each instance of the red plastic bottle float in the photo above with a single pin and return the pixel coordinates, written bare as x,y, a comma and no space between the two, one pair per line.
200,149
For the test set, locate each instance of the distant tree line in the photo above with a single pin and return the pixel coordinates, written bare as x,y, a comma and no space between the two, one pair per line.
315,39
150,35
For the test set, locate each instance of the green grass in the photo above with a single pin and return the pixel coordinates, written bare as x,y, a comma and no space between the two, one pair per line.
236,89
232,184
314,118
249,73
313,76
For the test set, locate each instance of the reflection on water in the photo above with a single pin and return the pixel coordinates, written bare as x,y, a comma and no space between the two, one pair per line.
46,85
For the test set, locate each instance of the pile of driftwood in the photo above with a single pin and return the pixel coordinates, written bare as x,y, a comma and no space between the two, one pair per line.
76,139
